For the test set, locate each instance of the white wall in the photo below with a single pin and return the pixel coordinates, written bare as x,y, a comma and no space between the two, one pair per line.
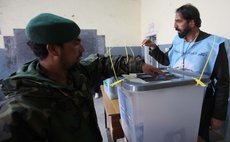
215,16
119,20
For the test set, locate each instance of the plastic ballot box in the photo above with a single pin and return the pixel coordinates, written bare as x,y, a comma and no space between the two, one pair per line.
164,108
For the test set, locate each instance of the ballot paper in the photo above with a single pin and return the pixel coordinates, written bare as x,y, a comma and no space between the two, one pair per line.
133,78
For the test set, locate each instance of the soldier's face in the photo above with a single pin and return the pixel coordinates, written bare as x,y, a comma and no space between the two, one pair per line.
71,53
182,26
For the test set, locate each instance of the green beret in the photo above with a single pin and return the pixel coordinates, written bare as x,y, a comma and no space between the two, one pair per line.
48,28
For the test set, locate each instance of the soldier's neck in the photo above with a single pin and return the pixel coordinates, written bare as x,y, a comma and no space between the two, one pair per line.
54,72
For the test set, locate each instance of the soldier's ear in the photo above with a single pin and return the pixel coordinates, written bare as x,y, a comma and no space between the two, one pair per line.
53,50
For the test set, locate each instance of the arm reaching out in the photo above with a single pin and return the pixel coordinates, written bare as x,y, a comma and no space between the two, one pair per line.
148,69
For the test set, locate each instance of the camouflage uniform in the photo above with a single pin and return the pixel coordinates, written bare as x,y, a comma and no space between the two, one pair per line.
42,110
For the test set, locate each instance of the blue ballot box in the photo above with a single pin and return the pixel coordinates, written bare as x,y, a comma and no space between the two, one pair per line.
161,108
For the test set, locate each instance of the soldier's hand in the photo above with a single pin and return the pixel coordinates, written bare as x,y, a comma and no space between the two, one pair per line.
149,69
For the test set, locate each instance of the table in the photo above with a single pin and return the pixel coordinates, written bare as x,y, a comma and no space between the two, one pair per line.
112,116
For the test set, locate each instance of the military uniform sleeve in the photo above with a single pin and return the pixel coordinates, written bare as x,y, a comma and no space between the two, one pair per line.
99,67
221,75
160,56
19,123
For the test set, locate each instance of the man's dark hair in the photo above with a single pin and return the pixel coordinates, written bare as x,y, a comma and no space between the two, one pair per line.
39,49
190,12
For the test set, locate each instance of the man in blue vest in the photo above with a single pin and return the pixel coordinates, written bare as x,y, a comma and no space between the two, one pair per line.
189,51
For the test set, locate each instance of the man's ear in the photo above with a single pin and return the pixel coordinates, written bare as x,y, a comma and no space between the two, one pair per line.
53,49
192,23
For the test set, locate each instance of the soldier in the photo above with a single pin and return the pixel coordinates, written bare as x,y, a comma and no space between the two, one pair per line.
49,99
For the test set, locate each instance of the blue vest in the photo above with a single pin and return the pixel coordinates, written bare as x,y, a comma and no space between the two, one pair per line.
192,56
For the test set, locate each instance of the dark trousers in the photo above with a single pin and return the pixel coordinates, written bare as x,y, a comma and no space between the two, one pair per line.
206,115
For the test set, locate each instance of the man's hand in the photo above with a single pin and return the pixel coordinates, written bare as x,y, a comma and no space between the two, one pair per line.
149,43
148,69
216,123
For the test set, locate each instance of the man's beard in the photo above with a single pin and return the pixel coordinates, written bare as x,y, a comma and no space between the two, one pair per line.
184,33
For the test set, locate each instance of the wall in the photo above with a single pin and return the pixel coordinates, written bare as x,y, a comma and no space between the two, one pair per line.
118,20
121,21
214,15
